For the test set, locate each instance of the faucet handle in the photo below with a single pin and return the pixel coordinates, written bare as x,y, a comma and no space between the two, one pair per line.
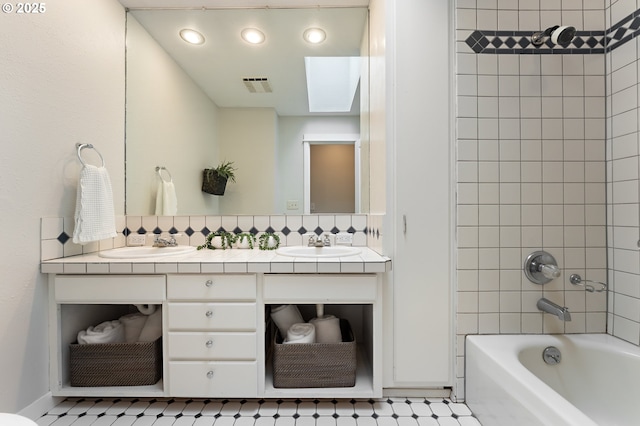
312,240
549,271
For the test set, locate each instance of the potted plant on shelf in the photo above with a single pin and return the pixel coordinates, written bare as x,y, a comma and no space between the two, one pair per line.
218,240
268,241
214,180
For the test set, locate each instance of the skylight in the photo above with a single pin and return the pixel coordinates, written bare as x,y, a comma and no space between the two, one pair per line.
332,82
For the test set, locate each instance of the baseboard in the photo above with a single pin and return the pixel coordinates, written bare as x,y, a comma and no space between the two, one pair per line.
417,392
41,406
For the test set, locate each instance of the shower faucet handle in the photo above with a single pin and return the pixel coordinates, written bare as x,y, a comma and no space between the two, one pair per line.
541,267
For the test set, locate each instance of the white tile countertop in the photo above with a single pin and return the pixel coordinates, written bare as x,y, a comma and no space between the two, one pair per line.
220,261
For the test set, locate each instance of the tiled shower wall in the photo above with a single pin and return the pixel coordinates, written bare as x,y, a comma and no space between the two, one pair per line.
530,166
623,167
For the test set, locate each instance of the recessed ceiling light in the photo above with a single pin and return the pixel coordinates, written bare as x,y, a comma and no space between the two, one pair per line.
314,35
191,36
252,35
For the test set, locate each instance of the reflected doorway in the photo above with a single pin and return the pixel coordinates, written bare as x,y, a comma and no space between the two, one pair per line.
331,173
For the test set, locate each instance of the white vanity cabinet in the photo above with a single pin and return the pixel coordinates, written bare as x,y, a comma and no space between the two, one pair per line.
216,335
212,342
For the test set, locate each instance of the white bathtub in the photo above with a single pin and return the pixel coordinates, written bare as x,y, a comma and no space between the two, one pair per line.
596,383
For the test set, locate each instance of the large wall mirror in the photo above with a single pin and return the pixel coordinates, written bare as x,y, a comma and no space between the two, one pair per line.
192,106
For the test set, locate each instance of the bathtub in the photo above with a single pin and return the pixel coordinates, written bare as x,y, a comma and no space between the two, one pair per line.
597,381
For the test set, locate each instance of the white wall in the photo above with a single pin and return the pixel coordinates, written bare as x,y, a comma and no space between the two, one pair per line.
289,153
62,82
248,139
169,119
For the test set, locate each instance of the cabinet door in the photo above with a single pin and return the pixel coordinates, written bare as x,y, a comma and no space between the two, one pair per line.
213,379
212,316
212,346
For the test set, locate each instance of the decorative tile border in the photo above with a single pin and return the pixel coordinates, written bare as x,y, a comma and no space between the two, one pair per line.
584,42
519,42
56,232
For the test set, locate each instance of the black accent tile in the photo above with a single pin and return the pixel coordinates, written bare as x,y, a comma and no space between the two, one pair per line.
237,230
270,229
189,231
157,231
205,231
351,230
126,231
141,230
285,231
253,231
63,238
334,230
302,231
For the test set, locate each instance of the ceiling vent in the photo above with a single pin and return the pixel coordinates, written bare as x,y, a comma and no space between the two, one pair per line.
257,84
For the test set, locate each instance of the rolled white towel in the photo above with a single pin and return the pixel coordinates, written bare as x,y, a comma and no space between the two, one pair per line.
152,329
146,309
285,316
106,332
301,333
133,324
327,329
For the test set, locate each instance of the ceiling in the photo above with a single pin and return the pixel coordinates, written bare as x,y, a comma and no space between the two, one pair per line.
219,65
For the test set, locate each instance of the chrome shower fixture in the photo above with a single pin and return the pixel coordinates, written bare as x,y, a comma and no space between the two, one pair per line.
558,35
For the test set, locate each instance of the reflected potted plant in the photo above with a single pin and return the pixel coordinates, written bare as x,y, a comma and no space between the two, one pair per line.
214,180
217,240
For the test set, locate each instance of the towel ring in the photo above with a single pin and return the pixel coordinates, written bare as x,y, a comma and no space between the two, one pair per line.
159,170
82,146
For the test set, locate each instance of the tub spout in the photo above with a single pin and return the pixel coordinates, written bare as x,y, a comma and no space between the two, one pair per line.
548,306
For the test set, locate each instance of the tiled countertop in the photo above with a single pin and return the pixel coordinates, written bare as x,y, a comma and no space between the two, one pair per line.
220,261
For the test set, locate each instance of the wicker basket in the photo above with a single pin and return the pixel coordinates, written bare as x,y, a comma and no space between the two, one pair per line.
315,365
116,364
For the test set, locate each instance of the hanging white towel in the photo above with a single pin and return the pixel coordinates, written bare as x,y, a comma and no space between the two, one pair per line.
166,200
94,217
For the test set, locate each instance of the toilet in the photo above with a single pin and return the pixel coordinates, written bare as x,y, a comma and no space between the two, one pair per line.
7,419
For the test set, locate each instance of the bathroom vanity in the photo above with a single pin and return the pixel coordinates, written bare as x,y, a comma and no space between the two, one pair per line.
216,333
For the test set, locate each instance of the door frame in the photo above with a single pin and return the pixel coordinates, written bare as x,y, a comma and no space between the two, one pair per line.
309,139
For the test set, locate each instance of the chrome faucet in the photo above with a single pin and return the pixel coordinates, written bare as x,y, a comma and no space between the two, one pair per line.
319,242
548,306
158,241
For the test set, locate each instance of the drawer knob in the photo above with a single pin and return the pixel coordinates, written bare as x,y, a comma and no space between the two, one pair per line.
209,283
209,343
209,314
209,374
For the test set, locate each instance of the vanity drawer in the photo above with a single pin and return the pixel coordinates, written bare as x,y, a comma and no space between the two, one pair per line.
213,379
212,346
212,316
211,287
297,288
109,288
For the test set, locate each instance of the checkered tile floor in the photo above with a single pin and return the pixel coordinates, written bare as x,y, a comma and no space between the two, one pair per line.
258,412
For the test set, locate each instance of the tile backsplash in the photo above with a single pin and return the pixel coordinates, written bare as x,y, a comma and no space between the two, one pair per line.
56,232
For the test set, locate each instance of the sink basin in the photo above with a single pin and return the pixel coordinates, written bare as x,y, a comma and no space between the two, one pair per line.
145,251
304,251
